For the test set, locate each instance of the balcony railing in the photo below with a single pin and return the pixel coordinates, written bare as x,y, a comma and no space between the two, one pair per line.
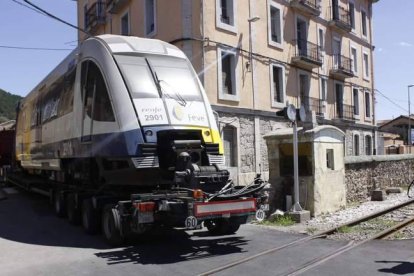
340,18
114,6
307,53
342,66
345,112
312,7
95,15
313,104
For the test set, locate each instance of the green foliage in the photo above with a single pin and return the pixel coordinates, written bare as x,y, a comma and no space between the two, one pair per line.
345,229
285,220
8,104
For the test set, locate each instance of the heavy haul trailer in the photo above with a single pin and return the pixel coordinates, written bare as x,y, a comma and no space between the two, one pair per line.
121,135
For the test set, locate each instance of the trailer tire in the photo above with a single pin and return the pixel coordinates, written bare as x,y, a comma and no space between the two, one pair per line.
111,226
73,211
59,204
222,226
90,217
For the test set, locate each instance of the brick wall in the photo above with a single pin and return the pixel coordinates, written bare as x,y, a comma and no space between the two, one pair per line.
363,174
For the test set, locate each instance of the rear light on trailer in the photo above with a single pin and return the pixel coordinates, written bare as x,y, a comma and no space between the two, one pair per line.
198,194
145,206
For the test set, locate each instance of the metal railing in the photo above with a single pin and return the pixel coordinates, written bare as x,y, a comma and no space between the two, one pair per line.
342,63
308,50
313,4
345,111
95,14
313,104
341,15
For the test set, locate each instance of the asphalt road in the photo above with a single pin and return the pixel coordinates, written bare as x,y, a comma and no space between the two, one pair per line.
35,242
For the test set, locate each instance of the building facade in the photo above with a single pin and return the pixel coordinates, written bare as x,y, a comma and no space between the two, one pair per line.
255,57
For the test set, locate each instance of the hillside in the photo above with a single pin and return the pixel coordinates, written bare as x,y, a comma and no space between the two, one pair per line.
8,104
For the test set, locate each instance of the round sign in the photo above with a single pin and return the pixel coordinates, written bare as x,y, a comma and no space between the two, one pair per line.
291,112
191,222
260,215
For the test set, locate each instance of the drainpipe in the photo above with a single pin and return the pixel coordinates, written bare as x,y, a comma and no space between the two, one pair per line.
372,79
252,19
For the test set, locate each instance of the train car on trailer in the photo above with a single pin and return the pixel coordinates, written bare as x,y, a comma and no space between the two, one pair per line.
123,135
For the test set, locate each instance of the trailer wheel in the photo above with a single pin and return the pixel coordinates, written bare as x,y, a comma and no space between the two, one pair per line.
73,211
90,217
222,226
59,204
111,225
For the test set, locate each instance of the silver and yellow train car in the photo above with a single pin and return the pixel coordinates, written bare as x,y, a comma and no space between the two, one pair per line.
121,135
118,110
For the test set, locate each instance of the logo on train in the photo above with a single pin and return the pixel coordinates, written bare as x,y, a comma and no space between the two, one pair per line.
178,112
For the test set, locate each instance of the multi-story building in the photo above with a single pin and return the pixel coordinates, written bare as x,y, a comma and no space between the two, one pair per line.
255,56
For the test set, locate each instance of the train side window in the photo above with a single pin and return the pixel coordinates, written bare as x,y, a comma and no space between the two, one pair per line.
94,86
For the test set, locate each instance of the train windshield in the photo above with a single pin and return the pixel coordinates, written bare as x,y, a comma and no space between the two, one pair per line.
159,76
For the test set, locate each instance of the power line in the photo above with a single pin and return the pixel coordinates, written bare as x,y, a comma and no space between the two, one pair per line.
34,48
391,101
55,17
30,8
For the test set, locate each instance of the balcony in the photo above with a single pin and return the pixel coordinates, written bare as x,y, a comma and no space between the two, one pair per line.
314,104
115,6
340,19
307,54
341,67
95,16
309,7
345,112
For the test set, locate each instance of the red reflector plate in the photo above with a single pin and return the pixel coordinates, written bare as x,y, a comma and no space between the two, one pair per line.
225,207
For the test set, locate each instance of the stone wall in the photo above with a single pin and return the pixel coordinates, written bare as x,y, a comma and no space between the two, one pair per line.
363,174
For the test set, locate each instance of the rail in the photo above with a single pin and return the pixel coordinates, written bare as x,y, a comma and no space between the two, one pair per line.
95,14
342,63
307,50
345,111
341,15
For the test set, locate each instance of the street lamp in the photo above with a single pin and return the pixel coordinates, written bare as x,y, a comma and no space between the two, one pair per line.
251,20
409,117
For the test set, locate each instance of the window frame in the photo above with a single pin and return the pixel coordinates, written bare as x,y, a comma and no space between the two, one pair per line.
225,26
366,66
364,11
369,105
129,23
354,65
234,150
336,100
356,149
356,102
354,13
283,86
324,94
271,42
225,96
154,13
371,146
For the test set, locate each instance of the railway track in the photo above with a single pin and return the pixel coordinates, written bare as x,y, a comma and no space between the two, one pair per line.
323,234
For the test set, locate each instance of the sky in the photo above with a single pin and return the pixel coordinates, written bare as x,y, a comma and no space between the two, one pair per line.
22,70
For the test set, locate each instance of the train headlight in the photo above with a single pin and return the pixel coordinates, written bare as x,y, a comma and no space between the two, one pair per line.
148,133
207,133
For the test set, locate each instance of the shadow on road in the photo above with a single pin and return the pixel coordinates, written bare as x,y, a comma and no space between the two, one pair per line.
28,218
173,248
401,267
